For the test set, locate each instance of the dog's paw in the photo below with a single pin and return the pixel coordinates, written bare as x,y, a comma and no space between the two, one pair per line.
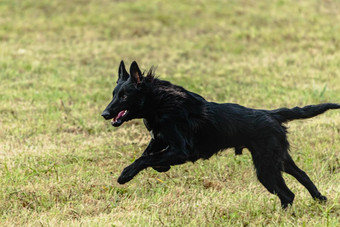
127,175
161,168
322,198
124,179
130,172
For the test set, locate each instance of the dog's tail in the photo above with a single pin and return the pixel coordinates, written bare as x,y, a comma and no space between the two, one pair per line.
284,114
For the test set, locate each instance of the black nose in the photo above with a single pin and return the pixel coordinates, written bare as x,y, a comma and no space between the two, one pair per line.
106,115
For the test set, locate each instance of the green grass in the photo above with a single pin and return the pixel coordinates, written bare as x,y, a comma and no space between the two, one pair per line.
59,160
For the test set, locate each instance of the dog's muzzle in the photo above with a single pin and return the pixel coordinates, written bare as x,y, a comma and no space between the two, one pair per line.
106,114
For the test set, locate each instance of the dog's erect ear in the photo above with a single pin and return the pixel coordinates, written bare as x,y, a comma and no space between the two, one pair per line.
122,73
136,74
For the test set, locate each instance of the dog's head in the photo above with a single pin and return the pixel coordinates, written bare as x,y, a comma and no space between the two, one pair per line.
128,98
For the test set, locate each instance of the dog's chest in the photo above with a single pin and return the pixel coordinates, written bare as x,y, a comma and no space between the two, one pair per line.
149,127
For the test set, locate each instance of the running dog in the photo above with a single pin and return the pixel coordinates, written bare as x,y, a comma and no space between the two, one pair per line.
185,127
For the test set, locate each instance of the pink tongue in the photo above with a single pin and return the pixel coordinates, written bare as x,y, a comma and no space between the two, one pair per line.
120,114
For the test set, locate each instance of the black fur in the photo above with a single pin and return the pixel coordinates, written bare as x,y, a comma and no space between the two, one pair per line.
185,127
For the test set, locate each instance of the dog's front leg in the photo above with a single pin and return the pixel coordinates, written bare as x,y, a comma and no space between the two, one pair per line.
155,146
130,171
174,154
171,156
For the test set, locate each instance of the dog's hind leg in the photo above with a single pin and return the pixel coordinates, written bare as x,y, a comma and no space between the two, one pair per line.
272,180
269,174
289,195
291,168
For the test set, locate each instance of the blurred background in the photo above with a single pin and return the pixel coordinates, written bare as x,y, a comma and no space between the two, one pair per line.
58,66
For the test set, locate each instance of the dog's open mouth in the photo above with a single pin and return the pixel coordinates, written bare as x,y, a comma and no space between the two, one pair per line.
119,119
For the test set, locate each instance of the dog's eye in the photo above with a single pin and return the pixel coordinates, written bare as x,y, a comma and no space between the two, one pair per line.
122,97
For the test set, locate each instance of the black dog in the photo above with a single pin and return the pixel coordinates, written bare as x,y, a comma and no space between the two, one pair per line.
185,127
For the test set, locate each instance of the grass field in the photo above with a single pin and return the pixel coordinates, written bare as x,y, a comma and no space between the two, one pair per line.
59,160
